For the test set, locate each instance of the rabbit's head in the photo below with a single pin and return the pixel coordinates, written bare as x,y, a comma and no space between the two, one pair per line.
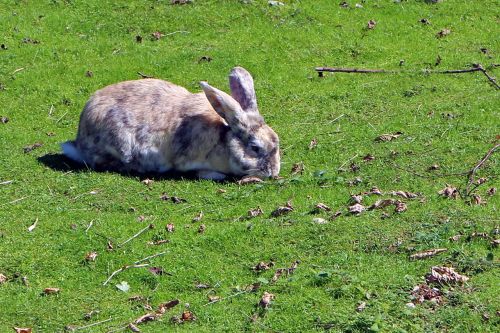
252,145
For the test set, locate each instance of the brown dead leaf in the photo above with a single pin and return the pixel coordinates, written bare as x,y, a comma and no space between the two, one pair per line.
297,168
156,270
443,32
400,206
213,298
424,21
426,254
354,167
455,238
22,330
202,286
445,275
255,212
476,199
4,120
133,328
423,292
262,266
145,318
382,203
494,243
91,256
433,167
198,217
157,35
202,228
313,143
321,206
404,194
368,158
335,215
164,307
188,316
282,210
492,191
277,275
388,137
371,24
180,2
361,307
170,227
51,291
177,200
266,299
32,147
356,209
3,278
357,199
147,181
374,190
449,192
249,180
159,242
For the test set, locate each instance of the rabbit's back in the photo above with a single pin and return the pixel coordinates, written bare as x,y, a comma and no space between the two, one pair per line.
129,125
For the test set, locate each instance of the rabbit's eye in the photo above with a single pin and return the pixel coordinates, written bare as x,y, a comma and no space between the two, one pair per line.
255,148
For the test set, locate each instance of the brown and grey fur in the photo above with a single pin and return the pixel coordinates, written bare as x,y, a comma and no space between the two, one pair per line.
155,126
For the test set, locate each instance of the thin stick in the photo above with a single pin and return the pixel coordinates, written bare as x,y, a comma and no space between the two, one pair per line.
492,79
13,201
7,182
151,226
473,171
17,70
121,270
177,32
90,225
92,325
343,164
150,257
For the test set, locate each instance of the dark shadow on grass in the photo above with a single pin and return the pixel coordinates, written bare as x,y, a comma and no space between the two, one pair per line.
61,163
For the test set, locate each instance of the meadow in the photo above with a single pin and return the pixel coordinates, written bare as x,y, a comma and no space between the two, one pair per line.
344,137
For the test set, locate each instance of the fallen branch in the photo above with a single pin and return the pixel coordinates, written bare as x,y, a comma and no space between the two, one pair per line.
151,226
473,171
475,68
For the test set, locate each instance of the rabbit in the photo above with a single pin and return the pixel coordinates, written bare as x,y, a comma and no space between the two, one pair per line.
154,126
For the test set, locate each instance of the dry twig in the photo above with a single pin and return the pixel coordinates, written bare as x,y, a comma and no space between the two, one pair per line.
151,226
473,171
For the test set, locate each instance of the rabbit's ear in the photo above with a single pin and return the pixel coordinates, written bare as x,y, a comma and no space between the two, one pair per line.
242,89
224,105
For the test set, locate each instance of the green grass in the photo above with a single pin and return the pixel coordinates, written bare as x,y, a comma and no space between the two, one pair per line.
450,120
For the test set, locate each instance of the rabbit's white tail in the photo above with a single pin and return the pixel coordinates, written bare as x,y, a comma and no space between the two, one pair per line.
69,149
